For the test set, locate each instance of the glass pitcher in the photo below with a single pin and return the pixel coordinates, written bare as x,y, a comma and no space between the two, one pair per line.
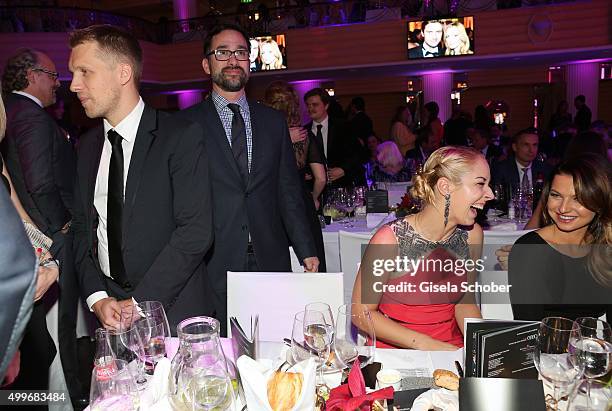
199,378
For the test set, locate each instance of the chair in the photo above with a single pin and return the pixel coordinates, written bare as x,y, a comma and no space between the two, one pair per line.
495,306
276,297
351,251
493,240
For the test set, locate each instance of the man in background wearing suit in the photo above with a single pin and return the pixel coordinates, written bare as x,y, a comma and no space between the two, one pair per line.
142,216
257,198
41,162
340,149
521,169
432,39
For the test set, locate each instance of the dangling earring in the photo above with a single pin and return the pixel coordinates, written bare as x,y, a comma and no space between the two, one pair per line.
446,208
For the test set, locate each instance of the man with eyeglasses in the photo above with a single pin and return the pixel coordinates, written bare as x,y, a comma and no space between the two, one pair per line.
41,163
258,206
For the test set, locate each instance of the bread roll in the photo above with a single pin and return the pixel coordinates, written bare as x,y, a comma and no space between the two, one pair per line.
446,379
284,389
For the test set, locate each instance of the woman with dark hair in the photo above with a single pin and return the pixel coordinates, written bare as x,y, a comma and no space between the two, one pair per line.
586,142
281,96
565,268
431,111
561,117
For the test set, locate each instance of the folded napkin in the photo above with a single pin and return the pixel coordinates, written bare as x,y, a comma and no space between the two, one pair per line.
352,395
439,399
255,375
504,227
155,396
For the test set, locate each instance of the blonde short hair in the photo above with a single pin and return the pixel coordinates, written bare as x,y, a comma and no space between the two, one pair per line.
465,40
451,162
388,155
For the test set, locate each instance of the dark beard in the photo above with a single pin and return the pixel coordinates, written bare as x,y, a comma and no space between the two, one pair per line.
230,85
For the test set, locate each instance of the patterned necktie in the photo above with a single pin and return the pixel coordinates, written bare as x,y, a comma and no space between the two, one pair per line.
525,185
114,209
239,143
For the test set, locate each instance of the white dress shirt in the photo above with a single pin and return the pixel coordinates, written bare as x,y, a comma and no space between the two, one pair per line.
324,132
31,97
520,168
127,128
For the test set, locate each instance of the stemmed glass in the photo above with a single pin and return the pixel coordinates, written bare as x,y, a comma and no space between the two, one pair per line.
318,335
554,356
593,347
354,336
126,344
151,323
117,391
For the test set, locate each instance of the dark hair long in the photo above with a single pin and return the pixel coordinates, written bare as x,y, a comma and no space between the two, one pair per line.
222,27
115,41
15,75
586,142
591,175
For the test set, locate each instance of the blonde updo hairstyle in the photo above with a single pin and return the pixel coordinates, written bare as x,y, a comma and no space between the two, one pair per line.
451,162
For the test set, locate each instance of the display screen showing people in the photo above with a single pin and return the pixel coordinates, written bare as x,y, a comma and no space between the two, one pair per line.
440,38
268,53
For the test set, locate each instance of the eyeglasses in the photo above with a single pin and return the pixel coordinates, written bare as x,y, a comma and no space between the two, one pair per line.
224,55
53,74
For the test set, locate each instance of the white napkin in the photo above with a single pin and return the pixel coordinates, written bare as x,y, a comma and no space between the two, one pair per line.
439,399
255,375
504,227
156,393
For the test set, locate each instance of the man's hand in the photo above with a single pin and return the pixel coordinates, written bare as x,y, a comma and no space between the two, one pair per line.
13,369
108,311
311,264
47,275
335,173
298,134
502,256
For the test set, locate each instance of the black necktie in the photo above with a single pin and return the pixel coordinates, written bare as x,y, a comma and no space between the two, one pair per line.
320,137
239,143
114,209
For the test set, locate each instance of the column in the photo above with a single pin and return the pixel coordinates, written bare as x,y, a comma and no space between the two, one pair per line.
301,88
188,98
183,10
582,78
437,87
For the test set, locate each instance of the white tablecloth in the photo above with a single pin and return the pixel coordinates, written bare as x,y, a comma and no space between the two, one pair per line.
502,233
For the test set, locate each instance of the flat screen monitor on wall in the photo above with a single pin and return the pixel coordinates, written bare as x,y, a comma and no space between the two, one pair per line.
268,53
441,38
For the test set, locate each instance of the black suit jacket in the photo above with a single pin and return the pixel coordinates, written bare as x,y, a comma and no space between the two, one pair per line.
270,206
506,172
417,52
343,151
41,163
167,223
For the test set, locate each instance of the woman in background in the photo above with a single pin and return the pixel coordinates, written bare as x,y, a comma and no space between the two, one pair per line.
431,121
281,96
456,40
452,186
565,268
401,130
271,56
390,166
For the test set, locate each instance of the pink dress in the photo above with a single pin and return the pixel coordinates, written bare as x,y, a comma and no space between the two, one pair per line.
429,307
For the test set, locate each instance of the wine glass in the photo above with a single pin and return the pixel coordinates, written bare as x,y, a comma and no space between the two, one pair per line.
299,349
152,325
117,391
593,347
127,345
354,336
590,396
555,358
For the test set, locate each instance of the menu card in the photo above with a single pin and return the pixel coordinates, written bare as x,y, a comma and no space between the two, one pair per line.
377,201
243,344
500,349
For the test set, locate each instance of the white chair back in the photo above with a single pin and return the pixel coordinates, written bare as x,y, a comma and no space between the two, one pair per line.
495,306
350,258
493,240
277,297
